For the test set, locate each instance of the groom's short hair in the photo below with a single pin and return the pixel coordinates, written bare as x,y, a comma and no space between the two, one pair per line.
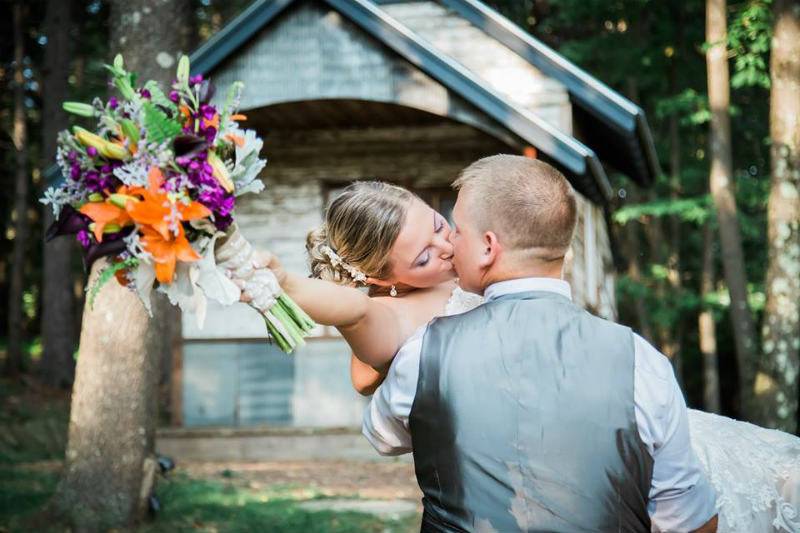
528,204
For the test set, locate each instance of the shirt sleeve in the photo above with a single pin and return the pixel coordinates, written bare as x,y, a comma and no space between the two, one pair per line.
386,416
681,497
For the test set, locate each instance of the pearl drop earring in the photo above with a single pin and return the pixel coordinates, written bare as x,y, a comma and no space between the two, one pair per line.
393,291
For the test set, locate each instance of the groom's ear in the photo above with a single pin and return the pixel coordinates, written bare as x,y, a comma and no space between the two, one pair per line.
491,249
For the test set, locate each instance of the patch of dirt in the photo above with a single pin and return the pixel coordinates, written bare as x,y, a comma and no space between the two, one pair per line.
372,480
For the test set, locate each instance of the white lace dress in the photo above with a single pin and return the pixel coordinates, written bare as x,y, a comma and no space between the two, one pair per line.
755,471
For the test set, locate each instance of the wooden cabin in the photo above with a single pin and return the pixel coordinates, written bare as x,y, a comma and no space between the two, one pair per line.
404,91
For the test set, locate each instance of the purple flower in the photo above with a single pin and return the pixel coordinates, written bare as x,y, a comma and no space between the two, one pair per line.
198,78
83,238
173,95
92,151
75,171
113,102
145,93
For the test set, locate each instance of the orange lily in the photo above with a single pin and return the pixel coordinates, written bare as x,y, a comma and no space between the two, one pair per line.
105,213
157,214
155,209
167,251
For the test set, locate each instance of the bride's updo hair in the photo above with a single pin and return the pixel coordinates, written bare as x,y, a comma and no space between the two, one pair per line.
361,225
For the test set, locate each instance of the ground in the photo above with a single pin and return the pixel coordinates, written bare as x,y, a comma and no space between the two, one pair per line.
275,497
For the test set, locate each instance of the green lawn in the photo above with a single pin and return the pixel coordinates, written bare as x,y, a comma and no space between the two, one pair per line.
32,437
200,505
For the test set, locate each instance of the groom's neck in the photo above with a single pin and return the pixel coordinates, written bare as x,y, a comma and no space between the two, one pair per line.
541,269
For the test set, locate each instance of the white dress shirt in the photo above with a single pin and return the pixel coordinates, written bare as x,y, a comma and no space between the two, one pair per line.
681,498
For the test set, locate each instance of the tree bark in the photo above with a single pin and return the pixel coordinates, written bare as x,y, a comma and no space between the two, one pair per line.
110,464
706,327
722,191
672,346
57,366
14,356
776,384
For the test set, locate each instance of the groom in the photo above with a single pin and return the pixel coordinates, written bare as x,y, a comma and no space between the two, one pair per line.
528,413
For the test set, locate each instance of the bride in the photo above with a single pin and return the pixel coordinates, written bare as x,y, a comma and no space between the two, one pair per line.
384,237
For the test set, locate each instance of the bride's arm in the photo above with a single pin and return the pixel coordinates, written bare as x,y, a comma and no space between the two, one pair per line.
373,329
365,379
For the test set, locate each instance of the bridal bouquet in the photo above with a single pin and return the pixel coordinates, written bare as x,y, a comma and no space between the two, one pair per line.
153,185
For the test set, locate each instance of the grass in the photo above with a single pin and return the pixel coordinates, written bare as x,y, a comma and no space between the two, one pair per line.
33,425
199,505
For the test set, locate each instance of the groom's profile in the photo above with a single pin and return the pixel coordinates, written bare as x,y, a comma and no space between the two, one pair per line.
527,413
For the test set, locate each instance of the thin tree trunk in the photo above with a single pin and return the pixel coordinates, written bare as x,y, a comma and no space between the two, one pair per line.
673,347
776,387
57,365
110,467
706,327
14,359
630,238
722,191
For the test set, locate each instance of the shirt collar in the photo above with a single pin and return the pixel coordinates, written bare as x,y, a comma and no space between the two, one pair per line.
511,286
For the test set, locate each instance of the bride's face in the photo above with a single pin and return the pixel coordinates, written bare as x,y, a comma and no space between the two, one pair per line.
422,254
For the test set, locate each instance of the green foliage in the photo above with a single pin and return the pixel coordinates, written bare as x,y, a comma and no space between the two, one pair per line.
160,128
107,274
749,35
696,210
158,97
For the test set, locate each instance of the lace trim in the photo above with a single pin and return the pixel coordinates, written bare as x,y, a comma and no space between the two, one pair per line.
755,471
461,301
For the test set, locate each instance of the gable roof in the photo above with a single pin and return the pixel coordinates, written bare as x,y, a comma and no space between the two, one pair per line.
611,126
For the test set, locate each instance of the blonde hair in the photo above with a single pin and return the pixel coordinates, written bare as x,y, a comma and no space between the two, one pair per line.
360,228
529,204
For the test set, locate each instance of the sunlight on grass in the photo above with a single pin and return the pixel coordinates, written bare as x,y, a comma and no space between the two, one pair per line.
200,505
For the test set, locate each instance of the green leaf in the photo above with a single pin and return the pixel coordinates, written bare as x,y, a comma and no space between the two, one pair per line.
160,128
158,97
107,273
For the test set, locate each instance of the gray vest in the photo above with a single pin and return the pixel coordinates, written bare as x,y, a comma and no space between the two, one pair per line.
524,421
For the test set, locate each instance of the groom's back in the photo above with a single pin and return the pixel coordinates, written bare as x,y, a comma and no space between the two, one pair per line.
524,420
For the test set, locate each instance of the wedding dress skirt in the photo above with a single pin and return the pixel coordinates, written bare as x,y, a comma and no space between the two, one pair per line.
755,471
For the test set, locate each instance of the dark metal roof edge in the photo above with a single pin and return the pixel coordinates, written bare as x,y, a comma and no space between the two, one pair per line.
235,34
583,86
648,146
566,150
591,93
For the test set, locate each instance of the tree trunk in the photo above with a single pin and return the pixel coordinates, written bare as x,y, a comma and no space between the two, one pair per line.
110,466
673,343
630,238
722,191
706,327
57,365
776,386
14,359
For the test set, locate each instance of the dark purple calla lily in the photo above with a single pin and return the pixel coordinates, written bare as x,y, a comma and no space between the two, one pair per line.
112,244
69,222
188,145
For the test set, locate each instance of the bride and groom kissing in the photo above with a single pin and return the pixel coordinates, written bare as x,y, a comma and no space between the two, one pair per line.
523,411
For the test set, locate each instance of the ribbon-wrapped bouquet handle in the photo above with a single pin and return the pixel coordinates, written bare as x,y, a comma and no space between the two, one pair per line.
152,186
286,322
